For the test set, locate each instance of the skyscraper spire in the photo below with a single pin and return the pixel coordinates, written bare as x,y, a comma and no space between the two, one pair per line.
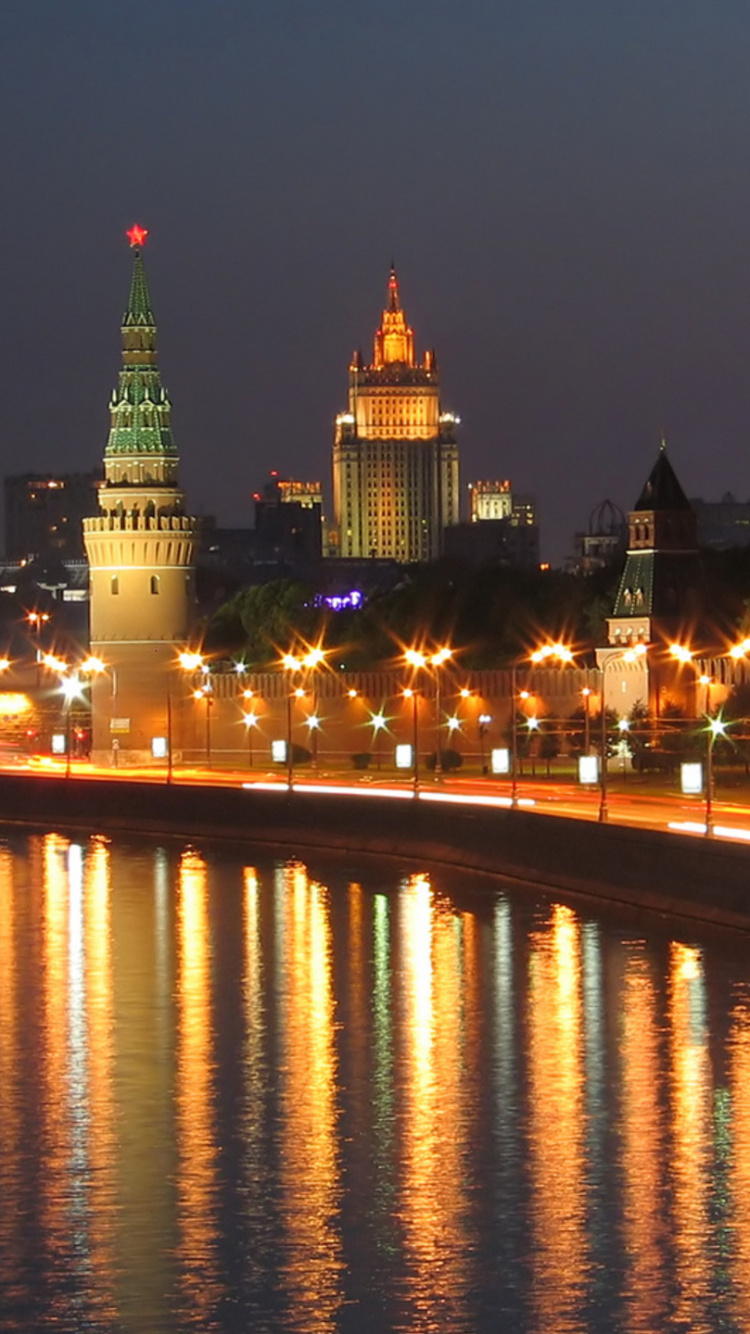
394,302
394,340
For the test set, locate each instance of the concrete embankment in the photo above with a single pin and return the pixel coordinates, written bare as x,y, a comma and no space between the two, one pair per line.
699,878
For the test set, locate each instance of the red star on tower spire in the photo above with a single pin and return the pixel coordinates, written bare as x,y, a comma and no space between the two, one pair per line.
137,235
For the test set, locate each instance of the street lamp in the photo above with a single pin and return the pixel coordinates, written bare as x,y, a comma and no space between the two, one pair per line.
71,687
205,692
716,728
378,722
586,692
418,660
295,663
36,620
412,695
251,722
630,655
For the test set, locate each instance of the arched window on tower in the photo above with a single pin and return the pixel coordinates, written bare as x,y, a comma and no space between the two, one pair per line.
114,585
154,583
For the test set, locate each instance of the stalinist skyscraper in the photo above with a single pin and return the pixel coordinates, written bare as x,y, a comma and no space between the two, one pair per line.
395,454
140,548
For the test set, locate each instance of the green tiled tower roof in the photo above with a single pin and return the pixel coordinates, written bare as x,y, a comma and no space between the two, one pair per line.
139,305
140,410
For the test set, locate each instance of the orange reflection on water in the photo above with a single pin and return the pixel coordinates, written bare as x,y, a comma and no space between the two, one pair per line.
692,1134
739,1173
10,1111
435,1121
196,1178
556,1122
309,1170
99,1053
55,1075
642,1140
255,1155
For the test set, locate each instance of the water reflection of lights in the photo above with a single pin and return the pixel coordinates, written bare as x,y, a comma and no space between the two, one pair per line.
309,1170
692,1136
11,1246
642,1155
557,1121
199,1287
432,1209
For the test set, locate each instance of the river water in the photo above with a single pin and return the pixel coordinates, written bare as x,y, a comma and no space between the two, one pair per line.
240,1092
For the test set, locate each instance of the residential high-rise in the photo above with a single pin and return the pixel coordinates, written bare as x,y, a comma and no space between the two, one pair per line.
141,546
395,453
43,513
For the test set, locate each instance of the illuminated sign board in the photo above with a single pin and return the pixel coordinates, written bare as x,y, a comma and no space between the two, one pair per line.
500,760
691,778
588,769
404,756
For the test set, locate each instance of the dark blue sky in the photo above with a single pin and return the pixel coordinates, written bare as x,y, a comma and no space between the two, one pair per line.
565,187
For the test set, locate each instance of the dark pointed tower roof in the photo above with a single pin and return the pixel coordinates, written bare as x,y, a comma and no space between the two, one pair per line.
662,490
662,582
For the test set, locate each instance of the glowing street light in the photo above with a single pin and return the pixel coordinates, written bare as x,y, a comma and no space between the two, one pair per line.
408,693
295,663
716,728
436,660
378,723
251,722
630,655
205,692
190,661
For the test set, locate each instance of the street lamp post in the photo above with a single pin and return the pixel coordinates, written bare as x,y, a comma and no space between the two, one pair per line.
294,664
251,722
169,736
378,721
513,739
204,692
436,660
586,692
412,695
716,728
630,655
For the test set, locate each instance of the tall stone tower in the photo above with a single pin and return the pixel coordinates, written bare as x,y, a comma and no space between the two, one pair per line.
140,548
395,453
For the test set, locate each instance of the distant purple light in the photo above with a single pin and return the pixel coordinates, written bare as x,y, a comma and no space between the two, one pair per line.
346,602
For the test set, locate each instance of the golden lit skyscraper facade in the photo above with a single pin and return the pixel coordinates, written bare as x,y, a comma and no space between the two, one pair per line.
395,453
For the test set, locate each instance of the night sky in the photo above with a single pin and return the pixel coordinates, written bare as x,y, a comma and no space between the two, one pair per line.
565,188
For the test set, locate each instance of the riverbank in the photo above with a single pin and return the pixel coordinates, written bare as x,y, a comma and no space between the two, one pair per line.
697,878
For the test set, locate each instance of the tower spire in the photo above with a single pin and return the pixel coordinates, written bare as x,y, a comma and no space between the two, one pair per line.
394,300
138,310
140,425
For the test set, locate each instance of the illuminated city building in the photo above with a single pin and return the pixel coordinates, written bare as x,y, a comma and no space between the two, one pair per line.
289,522
490,500
502,528
140,546
395,453
44,511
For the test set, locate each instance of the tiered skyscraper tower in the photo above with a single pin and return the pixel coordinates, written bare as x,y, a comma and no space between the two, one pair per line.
140,548
395,453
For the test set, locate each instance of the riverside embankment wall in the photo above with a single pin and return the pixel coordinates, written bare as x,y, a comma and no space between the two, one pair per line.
700,878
